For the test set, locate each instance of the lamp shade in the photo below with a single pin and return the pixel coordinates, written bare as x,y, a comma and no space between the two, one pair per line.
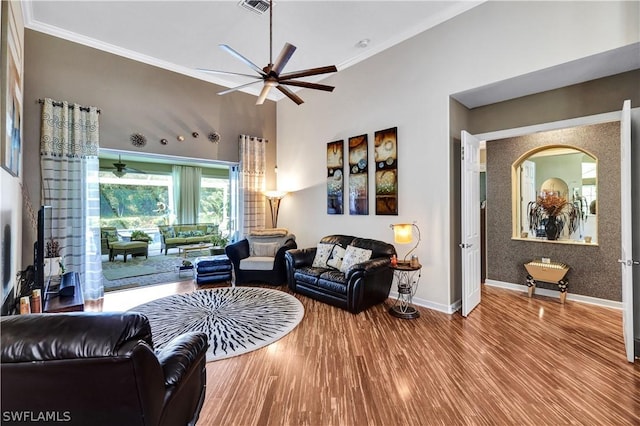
275,194
274,198
402,233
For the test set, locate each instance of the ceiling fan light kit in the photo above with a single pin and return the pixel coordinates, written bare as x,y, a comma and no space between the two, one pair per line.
271,75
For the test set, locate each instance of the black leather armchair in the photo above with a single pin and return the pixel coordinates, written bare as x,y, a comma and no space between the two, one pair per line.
362,286
98,369
249,265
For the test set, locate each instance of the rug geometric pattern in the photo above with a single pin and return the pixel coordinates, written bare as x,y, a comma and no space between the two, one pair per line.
236,319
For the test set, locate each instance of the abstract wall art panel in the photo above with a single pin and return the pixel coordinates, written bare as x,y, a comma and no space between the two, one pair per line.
358,175
386,157
335,177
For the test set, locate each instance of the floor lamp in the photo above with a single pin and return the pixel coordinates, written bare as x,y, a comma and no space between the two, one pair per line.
274,198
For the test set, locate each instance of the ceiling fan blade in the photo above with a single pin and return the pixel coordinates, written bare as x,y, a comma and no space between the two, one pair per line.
295,98
308,72
307,85
243,59
228,73
233,89
263,94
285,55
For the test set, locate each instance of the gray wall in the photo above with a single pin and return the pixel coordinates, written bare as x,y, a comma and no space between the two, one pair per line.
578,100
594,269
135,98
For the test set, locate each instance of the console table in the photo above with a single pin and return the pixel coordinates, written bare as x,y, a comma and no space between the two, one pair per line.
548,272
406,278
56,303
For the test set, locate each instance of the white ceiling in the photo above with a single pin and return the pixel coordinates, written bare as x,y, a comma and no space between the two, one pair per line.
184,35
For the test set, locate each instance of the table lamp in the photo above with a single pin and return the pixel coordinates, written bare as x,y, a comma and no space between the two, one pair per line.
403,234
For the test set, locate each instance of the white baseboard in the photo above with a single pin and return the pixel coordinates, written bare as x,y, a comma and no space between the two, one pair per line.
455,306
556,294
447,309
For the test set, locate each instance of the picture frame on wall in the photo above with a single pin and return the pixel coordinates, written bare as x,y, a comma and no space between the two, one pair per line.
386,175
11,99
335,177
358,175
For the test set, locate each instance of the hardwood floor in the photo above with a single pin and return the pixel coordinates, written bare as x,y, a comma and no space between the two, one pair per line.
514,361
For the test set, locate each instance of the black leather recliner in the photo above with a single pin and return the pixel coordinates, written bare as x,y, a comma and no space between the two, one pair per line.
255,267
98,369
364,284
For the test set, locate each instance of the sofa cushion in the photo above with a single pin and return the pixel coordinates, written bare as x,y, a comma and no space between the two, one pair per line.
309,274
264,249
111,236
323,251
354,255
257,263
337,255
168,232
333,281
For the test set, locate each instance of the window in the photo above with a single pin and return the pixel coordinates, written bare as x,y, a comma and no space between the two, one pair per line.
214,201
140,196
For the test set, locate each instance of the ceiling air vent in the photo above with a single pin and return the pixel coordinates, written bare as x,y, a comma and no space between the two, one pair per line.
257,6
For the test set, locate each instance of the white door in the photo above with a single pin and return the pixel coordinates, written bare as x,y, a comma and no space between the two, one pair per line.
625,260
470,245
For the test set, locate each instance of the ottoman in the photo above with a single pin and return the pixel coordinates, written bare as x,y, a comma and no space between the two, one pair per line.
212,269
128,248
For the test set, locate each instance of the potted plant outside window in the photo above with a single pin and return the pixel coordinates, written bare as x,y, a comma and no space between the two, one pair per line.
138,235
219,243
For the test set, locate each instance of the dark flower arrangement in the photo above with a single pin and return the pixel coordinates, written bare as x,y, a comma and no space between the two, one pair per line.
549,205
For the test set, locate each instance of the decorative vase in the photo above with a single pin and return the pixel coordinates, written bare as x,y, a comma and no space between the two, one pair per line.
551,228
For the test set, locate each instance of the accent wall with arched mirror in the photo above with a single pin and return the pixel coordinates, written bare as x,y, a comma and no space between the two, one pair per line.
555,195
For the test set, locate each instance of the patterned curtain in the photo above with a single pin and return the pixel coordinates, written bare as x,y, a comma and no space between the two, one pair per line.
252,184
69,166
186,193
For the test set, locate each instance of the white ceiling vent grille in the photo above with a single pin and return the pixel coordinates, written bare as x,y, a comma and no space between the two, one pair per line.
257,6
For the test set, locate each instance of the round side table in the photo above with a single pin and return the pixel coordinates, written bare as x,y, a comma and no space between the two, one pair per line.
406,278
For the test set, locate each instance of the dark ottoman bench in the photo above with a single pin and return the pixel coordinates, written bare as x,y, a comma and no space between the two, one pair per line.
212,269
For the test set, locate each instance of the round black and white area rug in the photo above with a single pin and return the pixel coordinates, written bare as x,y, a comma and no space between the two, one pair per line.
237,320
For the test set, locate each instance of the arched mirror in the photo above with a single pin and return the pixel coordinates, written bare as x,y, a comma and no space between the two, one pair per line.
555,196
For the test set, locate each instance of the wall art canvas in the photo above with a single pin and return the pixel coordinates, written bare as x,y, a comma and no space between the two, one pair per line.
358,175
11,80
335,177
386,156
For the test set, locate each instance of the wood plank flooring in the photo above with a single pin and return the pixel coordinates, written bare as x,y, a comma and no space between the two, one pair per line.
514,361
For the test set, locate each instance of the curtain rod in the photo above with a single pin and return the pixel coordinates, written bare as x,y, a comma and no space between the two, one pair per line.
59,104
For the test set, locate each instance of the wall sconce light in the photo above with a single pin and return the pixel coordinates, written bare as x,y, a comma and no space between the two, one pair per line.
274,198
403,234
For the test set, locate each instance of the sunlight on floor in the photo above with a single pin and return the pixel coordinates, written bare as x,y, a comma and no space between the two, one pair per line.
123,300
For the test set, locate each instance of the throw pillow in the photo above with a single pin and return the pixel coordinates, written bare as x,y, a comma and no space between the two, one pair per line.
264,249
322,255
111,236
337,254
169,232
354,255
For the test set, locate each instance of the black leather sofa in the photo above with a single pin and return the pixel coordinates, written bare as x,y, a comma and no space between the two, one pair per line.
362,286
98,369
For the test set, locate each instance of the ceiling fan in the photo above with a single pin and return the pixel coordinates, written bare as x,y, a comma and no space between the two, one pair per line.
121,169
271,74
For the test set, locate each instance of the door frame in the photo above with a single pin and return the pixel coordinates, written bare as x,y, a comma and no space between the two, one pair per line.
488,137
